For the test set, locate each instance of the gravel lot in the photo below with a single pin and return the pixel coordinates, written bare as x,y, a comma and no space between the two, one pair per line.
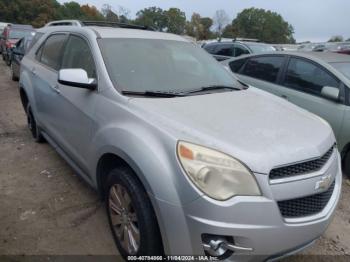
45,209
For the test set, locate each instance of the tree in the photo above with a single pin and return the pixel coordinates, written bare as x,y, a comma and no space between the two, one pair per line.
35,12
123,14
91,13
205,32
194,27
220,21
199,27
229,32
175,21
152,17
109,14
264,25
337,38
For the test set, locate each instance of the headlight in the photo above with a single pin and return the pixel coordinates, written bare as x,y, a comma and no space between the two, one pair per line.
218,175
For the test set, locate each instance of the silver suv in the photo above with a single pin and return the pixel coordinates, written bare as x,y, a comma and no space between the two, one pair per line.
188,160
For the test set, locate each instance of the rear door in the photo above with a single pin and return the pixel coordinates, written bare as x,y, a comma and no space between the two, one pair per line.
302,83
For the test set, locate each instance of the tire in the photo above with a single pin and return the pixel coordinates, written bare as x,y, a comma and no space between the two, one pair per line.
132,213
13,76
34,129
346,164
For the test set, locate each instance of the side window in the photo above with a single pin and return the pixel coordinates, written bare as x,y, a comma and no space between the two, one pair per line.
77,54
265,68
35,39
210,48
224,50
308,77
241,50
237,65
51,51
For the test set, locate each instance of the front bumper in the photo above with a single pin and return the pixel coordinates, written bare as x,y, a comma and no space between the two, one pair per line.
253,222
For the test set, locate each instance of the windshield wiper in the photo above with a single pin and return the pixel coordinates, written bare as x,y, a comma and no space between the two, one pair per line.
151,93
212,88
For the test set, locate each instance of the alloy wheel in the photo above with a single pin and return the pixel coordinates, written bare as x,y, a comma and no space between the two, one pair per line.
124,219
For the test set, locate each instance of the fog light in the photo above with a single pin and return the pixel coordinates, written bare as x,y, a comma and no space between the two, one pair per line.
221,247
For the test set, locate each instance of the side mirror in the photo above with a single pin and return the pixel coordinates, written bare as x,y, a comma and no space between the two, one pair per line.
330,93
77,78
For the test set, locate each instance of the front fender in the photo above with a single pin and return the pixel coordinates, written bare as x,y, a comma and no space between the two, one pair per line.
152,156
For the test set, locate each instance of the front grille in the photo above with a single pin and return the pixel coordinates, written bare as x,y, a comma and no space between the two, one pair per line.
301,168
305,206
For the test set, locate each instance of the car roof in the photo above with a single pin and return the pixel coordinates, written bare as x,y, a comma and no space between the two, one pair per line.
114,32
110,32
327,57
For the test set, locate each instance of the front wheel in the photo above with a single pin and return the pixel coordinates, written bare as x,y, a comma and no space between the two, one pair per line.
131,217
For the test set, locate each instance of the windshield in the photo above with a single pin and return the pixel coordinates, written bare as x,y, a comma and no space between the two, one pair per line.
343,67
161,65
17,34
261,48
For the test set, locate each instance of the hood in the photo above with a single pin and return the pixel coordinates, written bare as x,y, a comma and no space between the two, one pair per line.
260,129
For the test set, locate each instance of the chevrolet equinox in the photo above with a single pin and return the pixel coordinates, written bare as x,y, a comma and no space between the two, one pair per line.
189,160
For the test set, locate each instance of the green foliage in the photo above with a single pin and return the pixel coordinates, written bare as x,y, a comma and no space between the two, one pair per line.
199,27
264,25
175,21
152,17
40,12
337,38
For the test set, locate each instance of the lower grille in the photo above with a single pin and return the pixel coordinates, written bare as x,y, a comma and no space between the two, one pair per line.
305,206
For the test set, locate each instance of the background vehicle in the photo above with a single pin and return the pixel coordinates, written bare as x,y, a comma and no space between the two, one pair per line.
2,27
17,54
318,82
341,48
10,36
225,50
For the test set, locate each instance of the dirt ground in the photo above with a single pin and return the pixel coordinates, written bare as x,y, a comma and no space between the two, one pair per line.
45,209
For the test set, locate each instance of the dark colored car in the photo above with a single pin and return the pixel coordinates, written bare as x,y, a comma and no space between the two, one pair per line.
225,50
10,36
18,52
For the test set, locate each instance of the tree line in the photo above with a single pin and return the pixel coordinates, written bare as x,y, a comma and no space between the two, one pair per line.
255,23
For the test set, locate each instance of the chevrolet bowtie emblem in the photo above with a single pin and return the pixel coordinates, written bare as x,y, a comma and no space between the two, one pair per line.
324,183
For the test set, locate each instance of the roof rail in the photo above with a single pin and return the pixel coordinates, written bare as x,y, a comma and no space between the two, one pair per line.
116,24
64,23
245,39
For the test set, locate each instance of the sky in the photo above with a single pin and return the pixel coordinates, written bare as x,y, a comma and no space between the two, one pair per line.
313,20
